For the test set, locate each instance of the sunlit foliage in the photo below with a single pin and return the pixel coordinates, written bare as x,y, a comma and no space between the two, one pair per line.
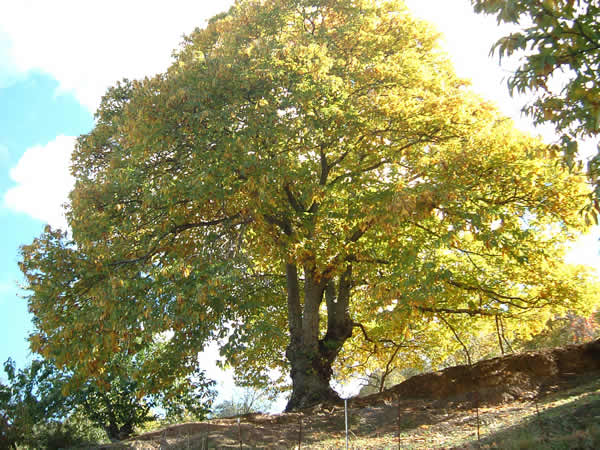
306,172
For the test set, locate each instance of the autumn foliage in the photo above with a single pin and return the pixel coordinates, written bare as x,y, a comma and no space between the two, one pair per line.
308,176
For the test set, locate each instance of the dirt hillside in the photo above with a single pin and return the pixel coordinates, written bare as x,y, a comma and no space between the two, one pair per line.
504,379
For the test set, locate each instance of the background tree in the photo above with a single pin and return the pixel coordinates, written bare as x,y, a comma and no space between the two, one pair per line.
453,341
20,403
570,328
38,402
117,402
35,413
303,170
558,45
243,401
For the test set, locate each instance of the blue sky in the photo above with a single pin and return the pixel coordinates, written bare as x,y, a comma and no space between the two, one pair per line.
56,60
32,115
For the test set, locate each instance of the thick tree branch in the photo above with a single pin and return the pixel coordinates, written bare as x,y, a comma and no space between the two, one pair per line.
388,370
360,231
180,228
285,226
175,230
296,204
490,293
470,312
462,250
358,172
366,259
364,332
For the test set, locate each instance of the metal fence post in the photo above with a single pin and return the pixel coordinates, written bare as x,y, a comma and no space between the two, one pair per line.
346,419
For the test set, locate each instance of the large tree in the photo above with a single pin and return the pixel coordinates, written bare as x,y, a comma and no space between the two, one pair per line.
558,43
305,169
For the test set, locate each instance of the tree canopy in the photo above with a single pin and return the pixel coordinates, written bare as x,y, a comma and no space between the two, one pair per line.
307,172
560,65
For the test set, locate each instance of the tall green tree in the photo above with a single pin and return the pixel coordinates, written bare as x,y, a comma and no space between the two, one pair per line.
305,171
560,66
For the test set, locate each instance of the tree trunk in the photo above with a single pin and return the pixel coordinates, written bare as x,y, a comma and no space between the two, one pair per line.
116,433
125,431
311,357
112,430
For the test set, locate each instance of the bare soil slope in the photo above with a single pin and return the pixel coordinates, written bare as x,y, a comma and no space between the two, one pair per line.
445,409
508,378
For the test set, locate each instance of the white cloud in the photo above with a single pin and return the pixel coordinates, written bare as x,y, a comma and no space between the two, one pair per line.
43,181
8,71
88,46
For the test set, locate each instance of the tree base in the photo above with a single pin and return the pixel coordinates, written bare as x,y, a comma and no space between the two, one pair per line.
311,397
